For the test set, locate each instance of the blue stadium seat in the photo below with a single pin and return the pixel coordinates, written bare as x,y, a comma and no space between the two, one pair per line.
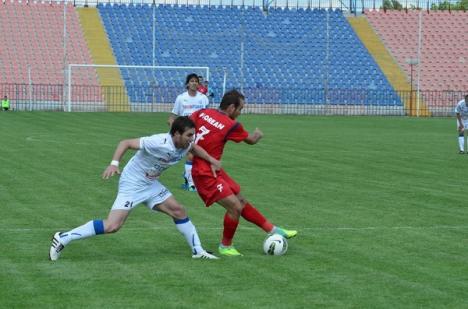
284,55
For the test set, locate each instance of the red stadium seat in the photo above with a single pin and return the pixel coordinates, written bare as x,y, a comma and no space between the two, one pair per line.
444,55
34,36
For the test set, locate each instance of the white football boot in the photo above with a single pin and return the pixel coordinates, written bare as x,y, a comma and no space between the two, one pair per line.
204,255
56,247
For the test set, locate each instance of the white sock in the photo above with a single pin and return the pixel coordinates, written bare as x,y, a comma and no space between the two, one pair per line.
461,143
188,173
91,228
186,227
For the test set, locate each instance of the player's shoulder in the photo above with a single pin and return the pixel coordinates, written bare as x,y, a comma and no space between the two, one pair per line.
183,95
160,138
201,96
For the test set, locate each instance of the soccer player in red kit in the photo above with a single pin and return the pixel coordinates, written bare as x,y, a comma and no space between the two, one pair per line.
214,128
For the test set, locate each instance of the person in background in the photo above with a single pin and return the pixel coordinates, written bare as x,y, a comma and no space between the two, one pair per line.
210,93
5,104
202,88
185,104
461,111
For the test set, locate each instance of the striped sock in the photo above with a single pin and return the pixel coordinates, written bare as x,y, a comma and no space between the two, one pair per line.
86,230
186,228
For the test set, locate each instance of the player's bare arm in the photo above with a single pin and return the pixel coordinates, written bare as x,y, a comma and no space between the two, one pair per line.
254,137
200,152
171,119
461,128
121,149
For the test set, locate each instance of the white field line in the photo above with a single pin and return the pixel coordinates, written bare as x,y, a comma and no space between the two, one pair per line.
170,226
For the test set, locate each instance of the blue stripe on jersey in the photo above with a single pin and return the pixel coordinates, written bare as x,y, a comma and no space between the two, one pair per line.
181,221
98,227
188,162
230,130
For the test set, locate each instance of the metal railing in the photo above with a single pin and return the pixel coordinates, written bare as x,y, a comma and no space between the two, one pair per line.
26,97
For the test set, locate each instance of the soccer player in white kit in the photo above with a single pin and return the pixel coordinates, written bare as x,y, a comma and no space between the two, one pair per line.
462,123
186,103
139,183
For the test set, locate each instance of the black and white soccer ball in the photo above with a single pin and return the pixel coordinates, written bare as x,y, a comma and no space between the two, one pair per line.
275,245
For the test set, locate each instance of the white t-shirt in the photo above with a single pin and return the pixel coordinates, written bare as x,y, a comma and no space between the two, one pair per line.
462,109
157,153
185,104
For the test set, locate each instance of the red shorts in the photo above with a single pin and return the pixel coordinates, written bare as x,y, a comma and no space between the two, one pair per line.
213,189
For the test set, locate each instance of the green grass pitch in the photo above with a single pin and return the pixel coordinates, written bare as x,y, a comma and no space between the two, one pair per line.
380,204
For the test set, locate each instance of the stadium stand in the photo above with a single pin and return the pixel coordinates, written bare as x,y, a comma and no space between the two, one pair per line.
32,37
293,56
285,52
444,52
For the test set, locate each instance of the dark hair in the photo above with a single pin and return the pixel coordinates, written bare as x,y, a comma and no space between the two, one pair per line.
190,76
181,124
231,97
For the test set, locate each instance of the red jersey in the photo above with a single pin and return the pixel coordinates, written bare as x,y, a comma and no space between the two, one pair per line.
202,89
214,128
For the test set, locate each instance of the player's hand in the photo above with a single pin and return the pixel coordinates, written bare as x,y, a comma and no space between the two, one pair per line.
258,133
110,171
461,128
215,166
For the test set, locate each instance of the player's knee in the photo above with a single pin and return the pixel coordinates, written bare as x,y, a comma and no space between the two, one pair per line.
235,212
242,200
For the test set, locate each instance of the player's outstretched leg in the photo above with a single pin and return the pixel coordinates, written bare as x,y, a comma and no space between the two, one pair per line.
252,214
61,239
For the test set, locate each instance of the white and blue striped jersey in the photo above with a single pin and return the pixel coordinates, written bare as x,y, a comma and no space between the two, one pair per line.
185,104
156,154
462,109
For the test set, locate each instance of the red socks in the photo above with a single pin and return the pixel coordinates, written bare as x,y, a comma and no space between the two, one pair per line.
230,226
251,214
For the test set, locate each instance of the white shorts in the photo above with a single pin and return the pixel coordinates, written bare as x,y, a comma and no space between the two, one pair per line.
465,124
129,197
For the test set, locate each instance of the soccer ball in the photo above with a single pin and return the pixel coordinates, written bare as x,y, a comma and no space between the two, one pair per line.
275,245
